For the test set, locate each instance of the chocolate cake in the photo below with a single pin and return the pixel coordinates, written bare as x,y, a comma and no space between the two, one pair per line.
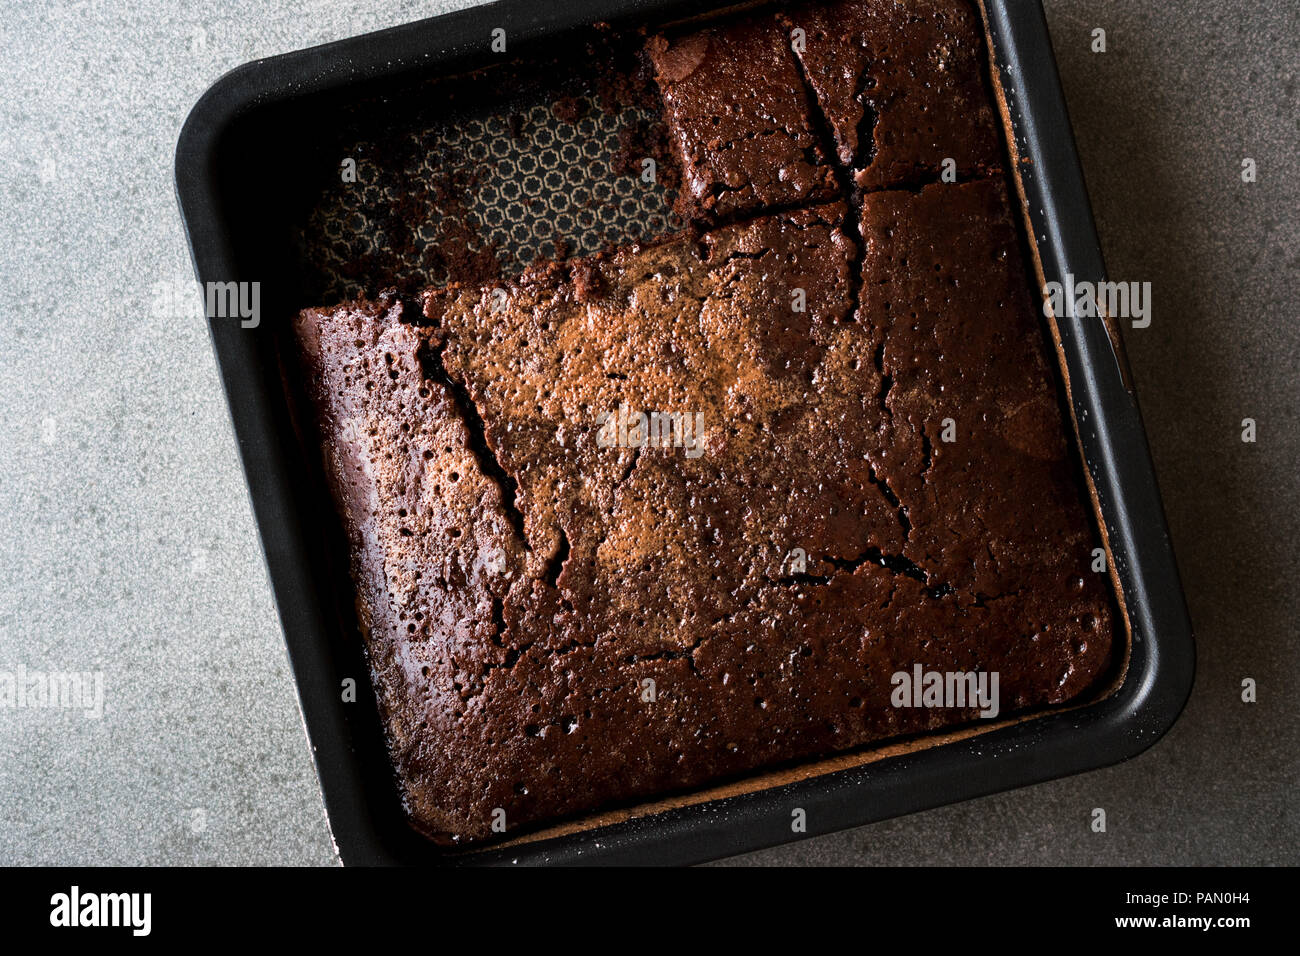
642,521
739,119
901,86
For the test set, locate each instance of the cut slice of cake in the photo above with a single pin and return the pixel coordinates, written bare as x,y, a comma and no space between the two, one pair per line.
901,85
739,119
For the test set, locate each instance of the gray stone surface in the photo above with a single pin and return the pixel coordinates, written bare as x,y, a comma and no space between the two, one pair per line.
128,544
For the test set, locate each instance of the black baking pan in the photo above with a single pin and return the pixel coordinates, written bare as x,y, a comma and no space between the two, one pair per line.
243,154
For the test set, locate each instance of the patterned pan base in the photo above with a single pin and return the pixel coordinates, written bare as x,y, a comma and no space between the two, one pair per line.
482,196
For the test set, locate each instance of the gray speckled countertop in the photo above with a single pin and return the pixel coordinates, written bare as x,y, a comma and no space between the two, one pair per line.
129,547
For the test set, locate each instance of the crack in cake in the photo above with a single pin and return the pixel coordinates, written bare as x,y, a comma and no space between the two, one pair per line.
634,523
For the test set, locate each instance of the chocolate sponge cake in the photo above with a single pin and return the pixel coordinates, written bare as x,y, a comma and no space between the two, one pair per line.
957,340
635,523
739,119
901,85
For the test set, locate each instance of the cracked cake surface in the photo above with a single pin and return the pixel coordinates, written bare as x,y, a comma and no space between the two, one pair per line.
852,463
900,83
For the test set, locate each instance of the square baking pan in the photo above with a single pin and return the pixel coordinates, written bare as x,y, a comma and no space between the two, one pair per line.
242,159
